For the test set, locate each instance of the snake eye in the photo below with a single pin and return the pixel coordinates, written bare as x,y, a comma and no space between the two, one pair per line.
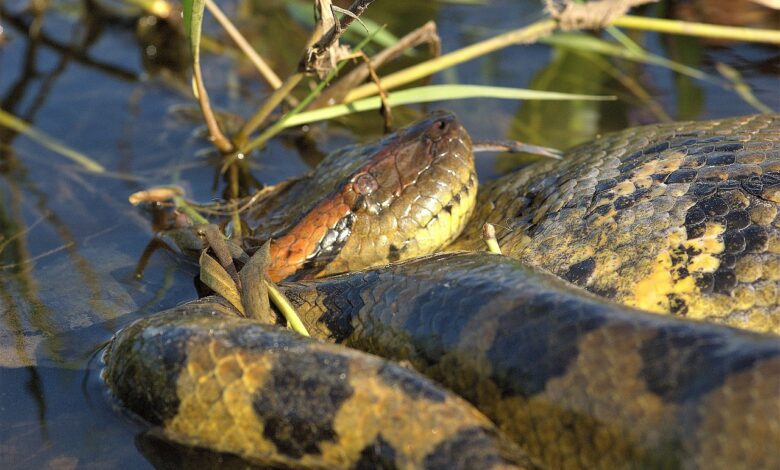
438,129
365,184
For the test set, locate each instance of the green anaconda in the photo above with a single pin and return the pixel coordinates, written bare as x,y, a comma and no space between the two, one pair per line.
678,218
215,380
578,381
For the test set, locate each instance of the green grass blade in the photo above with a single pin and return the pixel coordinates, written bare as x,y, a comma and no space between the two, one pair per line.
702,30
288,311
585,42
430,93
193,20
12,122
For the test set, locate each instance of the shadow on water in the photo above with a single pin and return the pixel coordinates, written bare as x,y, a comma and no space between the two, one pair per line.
104,82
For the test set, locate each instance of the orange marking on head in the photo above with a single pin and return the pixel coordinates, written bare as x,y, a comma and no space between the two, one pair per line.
290,251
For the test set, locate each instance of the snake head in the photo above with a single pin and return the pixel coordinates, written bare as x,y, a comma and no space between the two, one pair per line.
403,196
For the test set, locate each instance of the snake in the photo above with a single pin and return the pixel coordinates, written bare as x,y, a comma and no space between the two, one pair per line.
582,346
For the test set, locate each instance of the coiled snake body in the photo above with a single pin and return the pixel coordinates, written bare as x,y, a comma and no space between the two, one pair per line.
678,218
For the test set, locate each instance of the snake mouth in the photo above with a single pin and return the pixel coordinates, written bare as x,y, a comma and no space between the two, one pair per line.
407,193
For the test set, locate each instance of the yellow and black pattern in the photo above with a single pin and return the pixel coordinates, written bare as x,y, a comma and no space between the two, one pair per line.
679,218
579,382
212,379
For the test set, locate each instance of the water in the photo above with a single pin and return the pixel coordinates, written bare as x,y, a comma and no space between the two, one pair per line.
107,84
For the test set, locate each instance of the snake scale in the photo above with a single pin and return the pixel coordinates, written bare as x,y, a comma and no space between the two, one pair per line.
678,218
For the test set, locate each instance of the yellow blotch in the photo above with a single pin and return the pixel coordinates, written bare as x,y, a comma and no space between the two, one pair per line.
607,217
652,292
671,162
624,188
646,170
665,279
703,263
643,182
772,194
744,297
773,245
707,245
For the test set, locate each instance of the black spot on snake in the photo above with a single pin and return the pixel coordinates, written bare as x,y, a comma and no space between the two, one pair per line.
683,175
671,361
721,159
771,179
753,185
659,177
703,188
730,147
756,239
682,142
705,282
602,210
604,185
629,166
713,207
300,400
393,253
737,219
725,280
547,344
330,245
728,261
734,241
378,455
731,185
170,357
695,216
677,305
695,230
633,156
579,273
624,202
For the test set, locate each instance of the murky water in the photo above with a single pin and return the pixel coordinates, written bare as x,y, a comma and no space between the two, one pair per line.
106,82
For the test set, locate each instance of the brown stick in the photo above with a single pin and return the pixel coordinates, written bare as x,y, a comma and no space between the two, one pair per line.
424,34
316,52
215,133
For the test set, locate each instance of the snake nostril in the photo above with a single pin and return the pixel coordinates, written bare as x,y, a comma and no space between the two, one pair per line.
442,125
